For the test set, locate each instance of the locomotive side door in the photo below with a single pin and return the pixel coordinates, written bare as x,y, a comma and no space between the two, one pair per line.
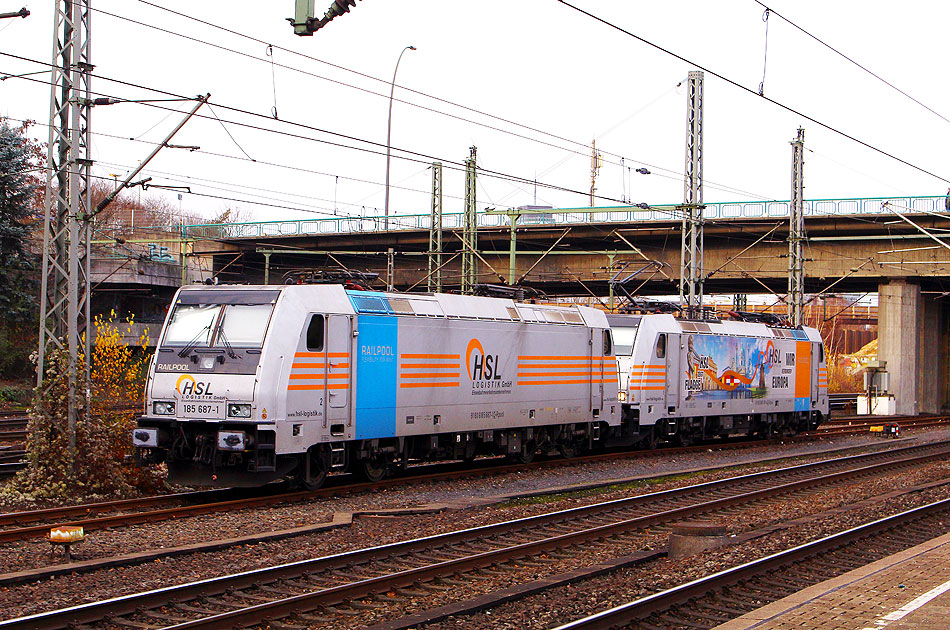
599,340
674,375
339,368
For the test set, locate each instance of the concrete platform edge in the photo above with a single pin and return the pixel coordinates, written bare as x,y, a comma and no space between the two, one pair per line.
781,607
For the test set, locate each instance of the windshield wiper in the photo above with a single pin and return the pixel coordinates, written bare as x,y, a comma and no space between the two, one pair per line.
224,339
191,345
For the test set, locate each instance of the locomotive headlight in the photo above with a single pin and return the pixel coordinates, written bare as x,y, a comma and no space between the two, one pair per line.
622,395
231,440
239,410
163,408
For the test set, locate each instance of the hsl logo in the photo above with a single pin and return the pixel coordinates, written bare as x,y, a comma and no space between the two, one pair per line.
187,386
481,366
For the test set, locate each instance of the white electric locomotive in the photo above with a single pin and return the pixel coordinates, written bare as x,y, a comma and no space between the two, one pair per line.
684,380
255,383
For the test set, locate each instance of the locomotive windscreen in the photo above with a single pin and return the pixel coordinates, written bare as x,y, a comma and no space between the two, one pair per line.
624,336
220,319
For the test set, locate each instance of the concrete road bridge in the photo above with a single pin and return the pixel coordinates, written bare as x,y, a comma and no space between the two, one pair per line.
852,245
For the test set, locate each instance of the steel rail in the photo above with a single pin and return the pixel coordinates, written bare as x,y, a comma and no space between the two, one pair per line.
71,512
12,518
90,524
348,592
658,602
124,605
863,426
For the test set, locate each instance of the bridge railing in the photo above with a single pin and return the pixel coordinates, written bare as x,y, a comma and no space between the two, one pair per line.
563,216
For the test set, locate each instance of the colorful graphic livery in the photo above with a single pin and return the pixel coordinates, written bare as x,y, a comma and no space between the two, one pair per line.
698,379
250,384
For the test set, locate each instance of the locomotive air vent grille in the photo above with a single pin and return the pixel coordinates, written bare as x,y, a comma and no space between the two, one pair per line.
370,304
429,308
401,305
695,327
530,314
573,318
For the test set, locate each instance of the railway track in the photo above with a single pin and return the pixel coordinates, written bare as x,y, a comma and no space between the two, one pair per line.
13,427
842,402
448,560
151,509
132,511
862,424
8,435
710,601
12,438
11,461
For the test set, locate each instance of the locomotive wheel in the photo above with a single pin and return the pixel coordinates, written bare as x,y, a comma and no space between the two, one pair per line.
526,456
373,469
317,468
569,449
653,440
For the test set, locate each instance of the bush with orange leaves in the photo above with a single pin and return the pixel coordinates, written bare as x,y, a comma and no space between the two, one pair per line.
98,467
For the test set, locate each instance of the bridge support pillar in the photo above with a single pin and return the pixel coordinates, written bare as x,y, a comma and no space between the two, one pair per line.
910,340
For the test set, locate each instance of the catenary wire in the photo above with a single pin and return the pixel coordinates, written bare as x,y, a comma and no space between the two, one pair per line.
451,164
299,169
849,59
409,103
751,91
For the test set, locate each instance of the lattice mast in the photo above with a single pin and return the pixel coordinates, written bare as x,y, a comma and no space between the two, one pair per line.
434,279
796,233
469,235
64,299
691,259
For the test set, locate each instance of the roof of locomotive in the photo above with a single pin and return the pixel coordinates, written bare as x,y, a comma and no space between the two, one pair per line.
668,323
335,298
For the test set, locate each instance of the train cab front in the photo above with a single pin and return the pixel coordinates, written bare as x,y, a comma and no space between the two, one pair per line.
203,418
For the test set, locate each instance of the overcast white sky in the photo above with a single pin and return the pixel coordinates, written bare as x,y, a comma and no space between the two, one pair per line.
523,69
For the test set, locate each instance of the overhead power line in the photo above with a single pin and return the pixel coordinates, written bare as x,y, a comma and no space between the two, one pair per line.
751,91
581,151
420,158
852,61
205,151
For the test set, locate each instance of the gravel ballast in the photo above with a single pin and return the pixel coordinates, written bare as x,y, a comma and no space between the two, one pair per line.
73,589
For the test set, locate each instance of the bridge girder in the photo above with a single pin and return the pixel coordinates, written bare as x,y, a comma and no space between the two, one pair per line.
842,253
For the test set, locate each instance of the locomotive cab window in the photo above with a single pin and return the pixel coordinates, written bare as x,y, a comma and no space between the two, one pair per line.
315,333
243,325
661,347
608,345
623,338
